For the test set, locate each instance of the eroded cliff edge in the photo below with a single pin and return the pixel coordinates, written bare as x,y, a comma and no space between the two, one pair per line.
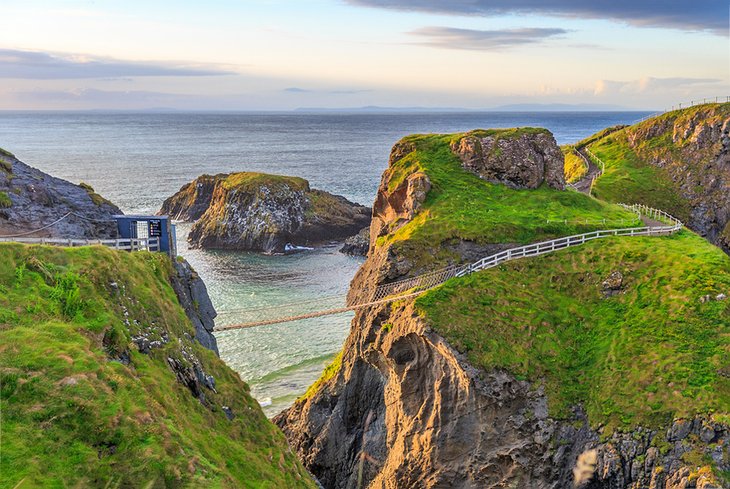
537,374
260,212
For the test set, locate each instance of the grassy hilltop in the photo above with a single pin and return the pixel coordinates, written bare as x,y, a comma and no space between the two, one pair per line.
83,407
461,206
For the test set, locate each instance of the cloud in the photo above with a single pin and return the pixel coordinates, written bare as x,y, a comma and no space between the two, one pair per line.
47,66
478,40
651,84
707,15
329,92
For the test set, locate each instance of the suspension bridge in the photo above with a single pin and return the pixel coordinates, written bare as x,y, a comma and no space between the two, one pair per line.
656,223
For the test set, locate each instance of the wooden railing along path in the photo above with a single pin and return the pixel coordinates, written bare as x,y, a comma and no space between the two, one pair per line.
141,244
412,287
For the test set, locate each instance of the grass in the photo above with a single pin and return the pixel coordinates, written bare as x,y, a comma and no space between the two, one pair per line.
461,206
642,357
5,201
628,177
629,153
329,372
575,167
74,417
95,198
253,180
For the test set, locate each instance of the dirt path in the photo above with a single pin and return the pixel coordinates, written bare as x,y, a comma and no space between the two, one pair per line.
584,184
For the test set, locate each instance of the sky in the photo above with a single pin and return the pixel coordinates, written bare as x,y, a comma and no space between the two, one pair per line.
290,54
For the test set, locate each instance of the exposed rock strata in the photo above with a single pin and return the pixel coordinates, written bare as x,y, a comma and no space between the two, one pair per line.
31,199
525,160
193,296
249,211
406,410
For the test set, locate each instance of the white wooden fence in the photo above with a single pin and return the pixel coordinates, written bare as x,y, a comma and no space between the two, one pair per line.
429,280
142,244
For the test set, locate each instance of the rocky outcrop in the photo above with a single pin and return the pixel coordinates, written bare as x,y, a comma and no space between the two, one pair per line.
194,299
254,211
518,158
357,245
405,409
31,199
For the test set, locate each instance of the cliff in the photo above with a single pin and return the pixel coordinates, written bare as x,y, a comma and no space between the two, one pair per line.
255,211
601,366
31,199
679,161
104,383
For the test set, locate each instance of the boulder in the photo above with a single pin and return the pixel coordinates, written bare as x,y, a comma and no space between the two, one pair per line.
523,158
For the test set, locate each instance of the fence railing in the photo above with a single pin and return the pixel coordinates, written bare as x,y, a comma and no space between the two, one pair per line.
141,244
685,105
670,224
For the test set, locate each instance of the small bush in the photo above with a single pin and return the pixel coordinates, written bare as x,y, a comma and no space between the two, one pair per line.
67,294
5,201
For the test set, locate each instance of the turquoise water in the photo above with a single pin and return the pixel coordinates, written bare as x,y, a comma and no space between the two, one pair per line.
137,160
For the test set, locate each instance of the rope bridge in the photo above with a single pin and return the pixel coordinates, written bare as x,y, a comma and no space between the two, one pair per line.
659,223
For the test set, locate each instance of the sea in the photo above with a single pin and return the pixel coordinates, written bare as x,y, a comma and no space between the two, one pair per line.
136,160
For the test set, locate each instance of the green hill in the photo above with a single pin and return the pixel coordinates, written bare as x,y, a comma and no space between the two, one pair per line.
83,406
650,351
462,207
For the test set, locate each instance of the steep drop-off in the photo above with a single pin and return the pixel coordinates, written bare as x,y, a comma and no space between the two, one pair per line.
31,199
255,211
602,366
679,161
106,381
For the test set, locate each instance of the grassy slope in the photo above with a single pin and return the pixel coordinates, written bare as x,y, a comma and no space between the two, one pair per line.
73,418
575,167
628,176
640,357
462,206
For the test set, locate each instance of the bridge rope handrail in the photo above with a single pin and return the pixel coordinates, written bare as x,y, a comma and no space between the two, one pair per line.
411,287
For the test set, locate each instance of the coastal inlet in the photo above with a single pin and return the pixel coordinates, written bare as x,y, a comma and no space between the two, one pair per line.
279,362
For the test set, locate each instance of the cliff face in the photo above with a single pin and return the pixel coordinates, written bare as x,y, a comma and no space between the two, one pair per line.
31,199
680,160
193,297
442,393
253,211
104,384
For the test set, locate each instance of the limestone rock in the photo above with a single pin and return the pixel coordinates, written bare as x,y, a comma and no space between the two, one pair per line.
254,211
519,158
31,199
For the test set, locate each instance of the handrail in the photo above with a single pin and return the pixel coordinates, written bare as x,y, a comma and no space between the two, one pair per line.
432,279
692,103
124,244
415,286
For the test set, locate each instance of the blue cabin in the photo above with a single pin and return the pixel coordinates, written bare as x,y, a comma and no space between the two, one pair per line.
149,227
